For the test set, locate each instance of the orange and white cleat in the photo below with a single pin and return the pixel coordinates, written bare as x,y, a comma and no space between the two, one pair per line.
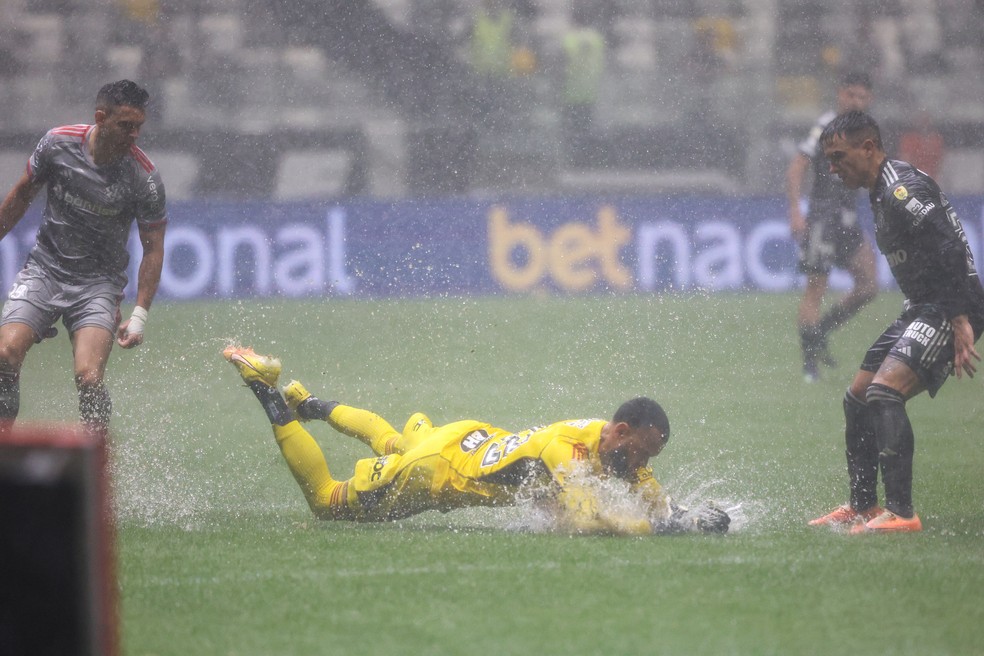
846,515
252,366
889,522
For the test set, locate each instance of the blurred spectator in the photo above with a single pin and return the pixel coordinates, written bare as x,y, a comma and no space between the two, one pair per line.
501,51
491,44
141,11
161,60
491,60
10,63
149,28
714,53
922,37
584,66
922,145
716,43
879,25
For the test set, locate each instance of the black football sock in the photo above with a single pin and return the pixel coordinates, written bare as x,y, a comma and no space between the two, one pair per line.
896,444
9,395
837,317
95,407
273,403
810,342
314,408
862,453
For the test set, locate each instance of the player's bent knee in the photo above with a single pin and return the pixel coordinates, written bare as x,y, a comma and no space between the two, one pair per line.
88,378
11,358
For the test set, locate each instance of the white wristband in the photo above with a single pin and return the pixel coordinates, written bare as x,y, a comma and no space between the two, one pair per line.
137,321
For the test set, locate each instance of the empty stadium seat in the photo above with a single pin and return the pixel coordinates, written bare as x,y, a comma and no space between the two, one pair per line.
312,174
963,171
12,166
179,172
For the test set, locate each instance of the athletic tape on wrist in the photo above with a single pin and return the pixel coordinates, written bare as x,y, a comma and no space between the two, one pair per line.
137,321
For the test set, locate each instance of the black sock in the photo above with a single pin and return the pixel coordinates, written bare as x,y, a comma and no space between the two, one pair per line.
273,403
95,406
862,453
896,445
810,340
9,394
834,319
314,408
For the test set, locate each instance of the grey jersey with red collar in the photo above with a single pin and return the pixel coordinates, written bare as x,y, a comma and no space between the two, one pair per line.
89,209
919,233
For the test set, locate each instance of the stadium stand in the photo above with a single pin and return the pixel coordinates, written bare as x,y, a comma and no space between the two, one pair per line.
713,87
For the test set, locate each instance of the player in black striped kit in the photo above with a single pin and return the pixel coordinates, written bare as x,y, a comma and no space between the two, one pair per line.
829,235
919,233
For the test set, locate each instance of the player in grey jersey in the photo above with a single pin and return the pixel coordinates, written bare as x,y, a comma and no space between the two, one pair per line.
921,237
98,182
829,235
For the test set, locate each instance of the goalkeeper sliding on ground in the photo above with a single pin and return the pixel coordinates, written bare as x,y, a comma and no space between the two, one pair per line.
472,463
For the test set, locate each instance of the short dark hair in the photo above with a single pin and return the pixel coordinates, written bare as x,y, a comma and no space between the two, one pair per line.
643,412
856,78
853,125
122,92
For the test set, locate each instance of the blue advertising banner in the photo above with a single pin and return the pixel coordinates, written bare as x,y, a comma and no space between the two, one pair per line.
420,248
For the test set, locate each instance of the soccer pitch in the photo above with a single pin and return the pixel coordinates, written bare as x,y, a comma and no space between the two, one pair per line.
218,553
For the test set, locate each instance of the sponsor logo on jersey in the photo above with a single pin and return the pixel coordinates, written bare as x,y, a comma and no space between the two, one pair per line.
918,210
914,206
115,192
377,468
474,439
901,192
896,258
82,204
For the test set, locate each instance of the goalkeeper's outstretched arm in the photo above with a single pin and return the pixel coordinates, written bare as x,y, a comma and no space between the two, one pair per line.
669,517
581,513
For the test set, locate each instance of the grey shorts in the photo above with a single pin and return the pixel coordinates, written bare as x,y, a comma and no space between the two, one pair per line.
38,300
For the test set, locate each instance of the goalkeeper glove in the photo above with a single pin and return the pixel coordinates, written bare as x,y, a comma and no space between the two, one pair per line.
706,519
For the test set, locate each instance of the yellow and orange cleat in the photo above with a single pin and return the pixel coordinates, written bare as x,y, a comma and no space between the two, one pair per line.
889,522
846,515
252,366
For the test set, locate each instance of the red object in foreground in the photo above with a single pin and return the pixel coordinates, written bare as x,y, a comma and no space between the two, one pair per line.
58,593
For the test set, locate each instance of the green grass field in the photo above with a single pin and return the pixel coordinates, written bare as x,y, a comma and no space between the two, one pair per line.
218,554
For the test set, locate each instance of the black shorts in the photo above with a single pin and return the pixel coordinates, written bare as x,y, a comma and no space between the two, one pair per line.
830,241
921,337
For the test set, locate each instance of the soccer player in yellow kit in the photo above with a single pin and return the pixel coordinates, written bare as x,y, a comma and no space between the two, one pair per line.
473,463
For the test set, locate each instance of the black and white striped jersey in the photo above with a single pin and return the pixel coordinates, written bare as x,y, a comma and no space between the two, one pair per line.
919,233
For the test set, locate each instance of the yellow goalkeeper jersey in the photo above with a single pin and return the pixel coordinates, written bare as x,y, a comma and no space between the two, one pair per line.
470,463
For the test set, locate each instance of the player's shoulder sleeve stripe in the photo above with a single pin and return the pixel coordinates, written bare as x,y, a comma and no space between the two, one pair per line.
142,159
77,131
889,175
904,181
